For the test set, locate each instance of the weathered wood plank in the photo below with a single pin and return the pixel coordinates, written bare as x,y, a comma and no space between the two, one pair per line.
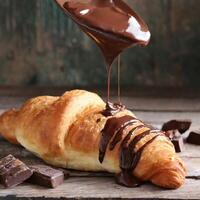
102,188
86,185
84,181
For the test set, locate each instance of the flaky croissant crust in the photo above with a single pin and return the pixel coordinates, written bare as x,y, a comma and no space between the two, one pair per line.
66,131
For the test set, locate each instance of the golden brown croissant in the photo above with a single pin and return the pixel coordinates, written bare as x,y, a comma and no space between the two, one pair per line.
71,131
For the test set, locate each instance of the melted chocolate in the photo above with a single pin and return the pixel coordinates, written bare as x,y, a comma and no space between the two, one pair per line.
118,136
126,178
112,24
112,109
129,157
112,127
135,155
119,78
126,150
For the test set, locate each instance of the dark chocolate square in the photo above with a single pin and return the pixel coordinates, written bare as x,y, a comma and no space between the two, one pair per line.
13,172
46,176
194,137
181,125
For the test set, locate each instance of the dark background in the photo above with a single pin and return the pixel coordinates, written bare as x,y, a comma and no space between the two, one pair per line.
41,46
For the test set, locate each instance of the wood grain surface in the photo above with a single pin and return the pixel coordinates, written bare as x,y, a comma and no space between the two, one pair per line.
86,185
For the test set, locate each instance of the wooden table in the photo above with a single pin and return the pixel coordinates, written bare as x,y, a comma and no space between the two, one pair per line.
102,186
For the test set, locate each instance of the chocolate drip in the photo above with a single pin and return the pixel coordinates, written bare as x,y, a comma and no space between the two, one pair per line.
114,26
133,156
113,125
112,109
125,177
127,151
118,136
129,157
119,78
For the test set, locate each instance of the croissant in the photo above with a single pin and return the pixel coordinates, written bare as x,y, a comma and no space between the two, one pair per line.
71,131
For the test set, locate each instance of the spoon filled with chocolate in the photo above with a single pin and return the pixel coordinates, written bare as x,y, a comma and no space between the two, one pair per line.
114,27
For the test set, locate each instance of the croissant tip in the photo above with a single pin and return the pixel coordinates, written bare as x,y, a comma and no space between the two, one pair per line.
170,181
171,177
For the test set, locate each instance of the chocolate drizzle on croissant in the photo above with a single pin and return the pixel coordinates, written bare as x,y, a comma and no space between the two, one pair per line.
114,126
129,156
112,109
66,132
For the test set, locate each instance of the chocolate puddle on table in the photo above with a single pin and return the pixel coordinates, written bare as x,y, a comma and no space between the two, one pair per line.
114,27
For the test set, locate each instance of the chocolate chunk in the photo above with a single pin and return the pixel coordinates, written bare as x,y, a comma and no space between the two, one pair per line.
178,144
13,171
46,176
194,137
181,125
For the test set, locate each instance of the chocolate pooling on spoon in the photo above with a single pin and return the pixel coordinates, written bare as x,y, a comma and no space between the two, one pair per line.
113,25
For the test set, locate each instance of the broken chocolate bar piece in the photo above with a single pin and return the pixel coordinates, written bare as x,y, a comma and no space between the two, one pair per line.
13,171
194,137
178,144
181,125
46,176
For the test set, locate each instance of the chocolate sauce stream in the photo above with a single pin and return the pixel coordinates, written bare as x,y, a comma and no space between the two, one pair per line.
125,177
119,79
112,24
109,68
